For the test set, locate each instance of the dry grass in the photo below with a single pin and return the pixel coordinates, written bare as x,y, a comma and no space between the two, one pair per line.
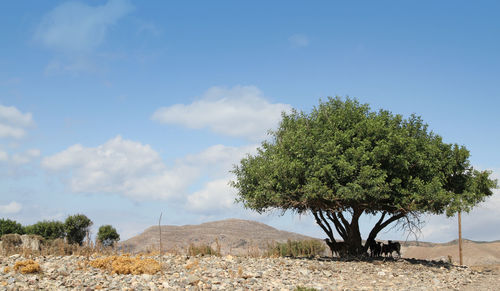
27,267
202,250
302,248
125,264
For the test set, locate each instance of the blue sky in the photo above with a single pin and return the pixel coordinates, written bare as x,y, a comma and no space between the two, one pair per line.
122,109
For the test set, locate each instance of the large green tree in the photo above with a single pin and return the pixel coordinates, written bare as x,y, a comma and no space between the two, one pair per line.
343,160
77,227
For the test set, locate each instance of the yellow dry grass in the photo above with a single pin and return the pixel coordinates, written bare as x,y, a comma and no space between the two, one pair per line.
125,264
27,267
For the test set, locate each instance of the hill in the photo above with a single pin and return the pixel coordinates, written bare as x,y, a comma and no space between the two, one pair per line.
474,253
235,236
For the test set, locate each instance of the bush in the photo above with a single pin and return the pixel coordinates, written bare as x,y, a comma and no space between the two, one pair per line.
301,248
27,267
76,228
10,226
47,229
194,250
107,235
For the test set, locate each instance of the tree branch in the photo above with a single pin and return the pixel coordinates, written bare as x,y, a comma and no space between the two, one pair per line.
338,226
320,223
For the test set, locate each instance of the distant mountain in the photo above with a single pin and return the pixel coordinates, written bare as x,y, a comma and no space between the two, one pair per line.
235,236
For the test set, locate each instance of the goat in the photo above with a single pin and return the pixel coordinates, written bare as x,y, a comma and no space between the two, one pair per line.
390,247
375,248
337,248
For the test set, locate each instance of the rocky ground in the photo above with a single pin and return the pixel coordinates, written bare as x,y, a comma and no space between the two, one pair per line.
242,273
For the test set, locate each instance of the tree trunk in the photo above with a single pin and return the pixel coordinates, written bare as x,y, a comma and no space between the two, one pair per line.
349,231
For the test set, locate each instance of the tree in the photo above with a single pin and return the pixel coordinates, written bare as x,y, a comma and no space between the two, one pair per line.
46,229
343,160
107,235
76,228
10,226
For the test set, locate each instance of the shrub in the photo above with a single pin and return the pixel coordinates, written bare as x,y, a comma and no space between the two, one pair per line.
27,267
76,228
194,250
125,264
301,248
47,229
10,226
107,235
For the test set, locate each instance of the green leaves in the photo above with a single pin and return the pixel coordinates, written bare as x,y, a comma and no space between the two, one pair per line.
343,156
107,235
47,229
77,227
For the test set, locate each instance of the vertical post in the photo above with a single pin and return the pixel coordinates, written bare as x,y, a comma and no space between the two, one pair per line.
159,227
460,237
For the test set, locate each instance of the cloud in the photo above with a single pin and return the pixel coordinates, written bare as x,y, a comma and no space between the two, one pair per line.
299,40
75,27
11,208
240,111
13,122
25,157
216,195
117,166
136,171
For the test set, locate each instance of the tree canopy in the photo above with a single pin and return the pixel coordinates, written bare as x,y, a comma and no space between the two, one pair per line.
76,228
10,226
107,235
343,160
46,229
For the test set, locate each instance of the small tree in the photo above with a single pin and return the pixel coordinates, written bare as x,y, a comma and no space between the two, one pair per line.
46,229
343,160
76,228
107,235
10,226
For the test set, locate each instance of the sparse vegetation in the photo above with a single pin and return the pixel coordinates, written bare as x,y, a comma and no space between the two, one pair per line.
203,250
301,248
125,264
300,288
27,267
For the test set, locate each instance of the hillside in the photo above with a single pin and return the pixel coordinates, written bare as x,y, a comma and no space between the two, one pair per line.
235,236
240,237
474,253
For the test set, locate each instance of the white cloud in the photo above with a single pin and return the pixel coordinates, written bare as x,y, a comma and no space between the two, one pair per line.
13,122
4,156
215,196
11,208
135,170
118,166
76,28
299,40
241,111
25,157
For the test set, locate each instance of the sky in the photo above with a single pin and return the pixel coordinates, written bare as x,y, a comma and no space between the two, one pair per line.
125,110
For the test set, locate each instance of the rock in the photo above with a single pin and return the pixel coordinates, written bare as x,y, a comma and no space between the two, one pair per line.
192,279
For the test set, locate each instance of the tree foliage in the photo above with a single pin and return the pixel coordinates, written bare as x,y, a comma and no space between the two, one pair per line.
77,227
46,229
10,226
343,160
107,235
